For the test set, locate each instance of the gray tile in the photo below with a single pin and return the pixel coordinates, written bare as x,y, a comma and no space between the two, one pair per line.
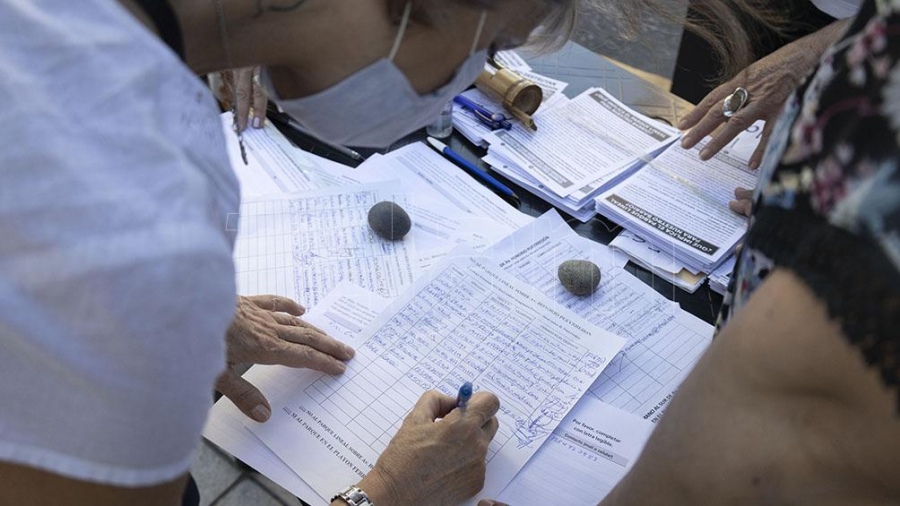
276,489
213,472
248,493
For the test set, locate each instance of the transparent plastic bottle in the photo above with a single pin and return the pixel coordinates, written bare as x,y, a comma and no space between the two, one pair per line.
443,127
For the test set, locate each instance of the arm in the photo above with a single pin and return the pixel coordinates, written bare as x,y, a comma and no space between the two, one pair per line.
769,81
41,488
780,410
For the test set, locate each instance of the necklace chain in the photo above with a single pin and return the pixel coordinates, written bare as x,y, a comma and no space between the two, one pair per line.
223,33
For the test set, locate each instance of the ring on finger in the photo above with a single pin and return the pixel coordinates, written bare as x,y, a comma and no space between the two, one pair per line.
734,102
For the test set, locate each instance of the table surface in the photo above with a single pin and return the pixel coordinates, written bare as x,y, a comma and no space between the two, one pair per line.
582,69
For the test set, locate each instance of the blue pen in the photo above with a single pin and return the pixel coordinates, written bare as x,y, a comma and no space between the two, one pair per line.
475,171
493,120
465,393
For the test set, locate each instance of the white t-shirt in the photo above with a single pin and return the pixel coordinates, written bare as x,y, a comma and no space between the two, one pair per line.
838,9
116,278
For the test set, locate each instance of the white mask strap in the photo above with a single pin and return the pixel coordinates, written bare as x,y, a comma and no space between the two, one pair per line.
402,31
478,31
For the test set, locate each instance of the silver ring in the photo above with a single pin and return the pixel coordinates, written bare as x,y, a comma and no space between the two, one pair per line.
733,103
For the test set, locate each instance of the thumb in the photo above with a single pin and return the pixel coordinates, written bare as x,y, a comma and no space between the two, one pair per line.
491,502
244,395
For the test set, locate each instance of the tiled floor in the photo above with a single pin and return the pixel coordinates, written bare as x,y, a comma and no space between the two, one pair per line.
222,481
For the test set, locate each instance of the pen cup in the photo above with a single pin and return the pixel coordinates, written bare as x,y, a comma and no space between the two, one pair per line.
443,127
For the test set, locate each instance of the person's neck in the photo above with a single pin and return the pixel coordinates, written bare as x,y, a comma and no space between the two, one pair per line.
251,38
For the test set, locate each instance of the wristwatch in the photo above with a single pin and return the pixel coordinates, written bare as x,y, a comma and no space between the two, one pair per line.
353,496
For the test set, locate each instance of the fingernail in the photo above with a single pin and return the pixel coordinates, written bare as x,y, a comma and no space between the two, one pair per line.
754,164
342,367
257,122
260,413
686,141
682,124
349,351
705,154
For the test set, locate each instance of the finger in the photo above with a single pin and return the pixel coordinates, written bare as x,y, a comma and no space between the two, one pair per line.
244,395
709,102
316,340
743,193
733,127
227,87
243,87
757,156
491,502
431,406
480,408
741,207
491,427
707,125
286,319
300,356
277,303
260,99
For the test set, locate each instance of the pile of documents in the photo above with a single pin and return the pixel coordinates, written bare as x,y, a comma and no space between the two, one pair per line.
580,149
470,294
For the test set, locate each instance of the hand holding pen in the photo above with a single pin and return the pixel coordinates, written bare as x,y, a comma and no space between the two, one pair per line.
438,454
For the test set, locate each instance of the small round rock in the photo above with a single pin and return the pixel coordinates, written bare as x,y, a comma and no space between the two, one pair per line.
389,220
581,277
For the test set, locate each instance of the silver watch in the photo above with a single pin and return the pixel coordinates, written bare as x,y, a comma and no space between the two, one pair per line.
354,496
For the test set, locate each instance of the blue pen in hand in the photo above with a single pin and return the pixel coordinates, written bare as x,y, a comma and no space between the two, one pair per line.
465,393
488,179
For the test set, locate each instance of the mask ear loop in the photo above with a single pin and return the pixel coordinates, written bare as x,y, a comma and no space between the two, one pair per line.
478,31
402,30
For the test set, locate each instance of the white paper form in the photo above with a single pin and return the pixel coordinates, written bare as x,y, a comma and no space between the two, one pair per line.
679,200
664,342
274,165
593,137
433,176
468,321
301,245
511,60
343,313
587,455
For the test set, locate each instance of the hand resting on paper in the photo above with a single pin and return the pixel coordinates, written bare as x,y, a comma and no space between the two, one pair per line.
438,455
769,82
266,330
249,97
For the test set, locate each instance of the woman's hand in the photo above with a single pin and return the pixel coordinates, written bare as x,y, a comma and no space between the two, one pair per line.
266,330
769,81
743,203
242,90
438,455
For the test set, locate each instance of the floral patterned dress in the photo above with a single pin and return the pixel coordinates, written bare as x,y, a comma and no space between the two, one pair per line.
828,204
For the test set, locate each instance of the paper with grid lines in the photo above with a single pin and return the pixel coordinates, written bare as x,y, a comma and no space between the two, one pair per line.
466,321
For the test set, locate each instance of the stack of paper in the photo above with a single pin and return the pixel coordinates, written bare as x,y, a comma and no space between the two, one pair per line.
580,149
721,277
678,202
660,261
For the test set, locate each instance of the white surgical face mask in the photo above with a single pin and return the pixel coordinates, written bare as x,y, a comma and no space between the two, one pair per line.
377,105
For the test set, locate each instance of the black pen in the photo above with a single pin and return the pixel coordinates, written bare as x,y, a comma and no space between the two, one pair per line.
475,171
285,119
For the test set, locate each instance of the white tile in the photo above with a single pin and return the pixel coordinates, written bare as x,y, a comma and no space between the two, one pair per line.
213,473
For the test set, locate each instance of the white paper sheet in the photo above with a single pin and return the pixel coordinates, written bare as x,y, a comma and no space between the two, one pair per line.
679,200
275,165
467,322
343,313
663,341
429,177
302,245
583,460
593,137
